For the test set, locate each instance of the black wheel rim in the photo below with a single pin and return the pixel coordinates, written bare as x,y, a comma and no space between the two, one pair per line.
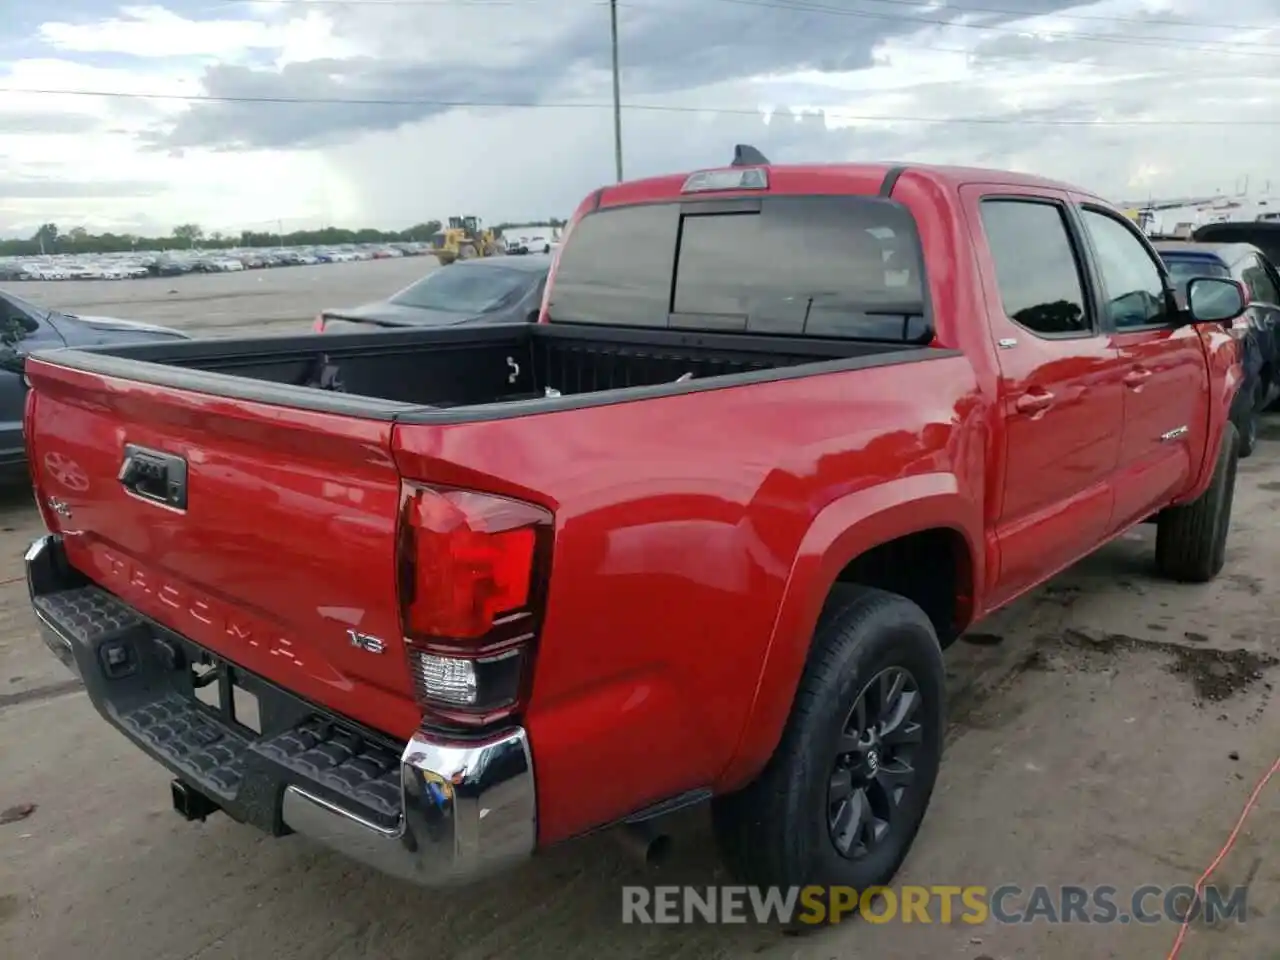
873,769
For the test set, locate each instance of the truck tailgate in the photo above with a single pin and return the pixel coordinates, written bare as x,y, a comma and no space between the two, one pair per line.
284,544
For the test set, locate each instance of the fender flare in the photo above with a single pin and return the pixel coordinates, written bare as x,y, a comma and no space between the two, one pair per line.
843,530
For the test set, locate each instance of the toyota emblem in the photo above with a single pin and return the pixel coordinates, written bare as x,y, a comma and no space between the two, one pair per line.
66,471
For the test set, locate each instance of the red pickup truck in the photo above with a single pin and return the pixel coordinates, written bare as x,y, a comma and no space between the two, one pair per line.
441,597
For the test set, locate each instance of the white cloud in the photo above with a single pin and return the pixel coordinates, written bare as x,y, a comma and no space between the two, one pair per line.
154,31
395,165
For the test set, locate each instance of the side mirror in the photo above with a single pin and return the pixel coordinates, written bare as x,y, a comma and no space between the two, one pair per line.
533,315
1214,300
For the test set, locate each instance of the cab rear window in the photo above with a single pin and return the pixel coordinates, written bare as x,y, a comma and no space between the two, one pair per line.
817,266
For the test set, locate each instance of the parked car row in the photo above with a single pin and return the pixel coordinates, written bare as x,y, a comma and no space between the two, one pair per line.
171,263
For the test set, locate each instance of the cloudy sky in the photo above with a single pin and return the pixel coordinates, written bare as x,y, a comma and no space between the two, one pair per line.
242,113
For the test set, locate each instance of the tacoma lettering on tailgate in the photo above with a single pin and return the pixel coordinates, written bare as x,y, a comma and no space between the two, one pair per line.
130,579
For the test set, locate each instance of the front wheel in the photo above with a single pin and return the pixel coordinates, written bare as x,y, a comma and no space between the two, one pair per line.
1191,540
846,790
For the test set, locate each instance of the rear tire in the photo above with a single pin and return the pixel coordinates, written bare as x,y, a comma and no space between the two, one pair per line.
466,252
1191,540
788,826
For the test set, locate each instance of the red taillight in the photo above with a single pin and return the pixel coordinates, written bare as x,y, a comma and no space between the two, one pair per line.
473,569
317,325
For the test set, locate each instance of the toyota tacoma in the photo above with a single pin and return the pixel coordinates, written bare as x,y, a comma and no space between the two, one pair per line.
442,597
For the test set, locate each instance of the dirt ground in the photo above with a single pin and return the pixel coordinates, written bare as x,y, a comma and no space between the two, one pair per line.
1106,730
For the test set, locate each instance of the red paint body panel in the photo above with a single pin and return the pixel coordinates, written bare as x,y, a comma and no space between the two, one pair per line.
675,548
294,543
696,535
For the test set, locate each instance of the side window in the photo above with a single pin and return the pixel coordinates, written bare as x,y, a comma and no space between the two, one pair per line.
1036,267
1261,286
1134,285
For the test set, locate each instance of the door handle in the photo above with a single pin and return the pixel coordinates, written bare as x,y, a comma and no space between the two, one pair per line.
1136,377
1034,401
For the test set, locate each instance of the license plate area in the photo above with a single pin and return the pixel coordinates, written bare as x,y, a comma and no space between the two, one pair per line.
224,690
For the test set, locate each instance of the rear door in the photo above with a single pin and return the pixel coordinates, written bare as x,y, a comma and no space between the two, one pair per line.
1060,383
1166,374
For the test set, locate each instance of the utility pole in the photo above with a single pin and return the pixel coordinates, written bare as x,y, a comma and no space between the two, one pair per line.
617,99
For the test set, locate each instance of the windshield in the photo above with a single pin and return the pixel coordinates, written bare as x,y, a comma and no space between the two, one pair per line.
461,289
1182,270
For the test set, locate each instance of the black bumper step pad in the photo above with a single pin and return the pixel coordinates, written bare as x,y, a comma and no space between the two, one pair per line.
87,613
230,763
365,775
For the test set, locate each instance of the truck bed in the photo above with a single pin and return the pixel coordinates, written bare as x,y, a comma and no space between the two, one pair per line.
474,372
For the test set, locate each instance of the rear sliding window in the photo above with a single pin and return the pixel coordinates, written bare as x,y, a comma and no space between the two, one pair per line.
819,266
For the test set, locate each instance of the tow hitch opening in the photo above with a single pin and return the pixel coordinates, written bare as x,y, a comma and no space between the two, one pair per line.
191,803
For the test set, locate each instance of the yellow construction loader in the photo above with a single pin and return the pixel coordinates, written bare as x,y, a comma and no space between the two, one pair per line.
465,239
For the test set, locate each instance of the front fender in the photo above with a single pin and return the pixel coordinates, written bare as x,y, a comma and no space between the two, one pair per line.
1225,360
842,531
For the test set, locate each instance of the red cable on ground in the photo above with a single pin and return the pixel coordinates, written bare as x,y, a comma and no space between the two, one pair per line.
1222,855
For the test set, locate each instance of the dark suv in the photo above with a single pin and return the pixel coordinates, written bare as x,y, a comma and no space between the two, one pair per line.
1258,327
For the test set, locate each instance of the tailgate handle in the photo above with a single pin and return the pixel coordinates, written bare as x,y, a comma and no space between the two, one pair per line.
155,476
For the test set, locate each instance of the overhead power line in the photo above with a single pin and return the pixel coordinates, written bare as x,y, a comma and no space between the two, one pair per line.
632,107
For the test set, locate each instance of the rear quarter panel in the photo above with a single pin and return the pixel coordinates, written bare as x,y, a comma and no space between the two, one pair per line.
680,523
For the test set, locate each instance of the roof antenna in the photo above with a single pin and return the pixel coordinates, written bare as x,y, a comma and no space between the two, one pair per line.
745,155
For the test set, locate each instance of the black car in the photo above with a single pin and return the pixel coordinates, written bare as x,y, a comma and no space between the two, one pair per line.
26,328
1258,327
486,290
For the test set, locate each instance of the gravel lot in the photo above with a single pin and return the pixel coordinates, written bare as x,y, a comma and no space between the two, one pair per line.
1106,730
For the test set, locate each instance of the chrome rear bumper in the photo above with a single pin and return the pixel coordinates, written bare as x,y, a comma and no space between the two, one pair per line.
467,806
467,812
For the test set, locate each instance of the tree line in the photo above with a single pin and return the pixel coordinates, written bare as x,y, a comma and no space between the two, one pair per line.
50,239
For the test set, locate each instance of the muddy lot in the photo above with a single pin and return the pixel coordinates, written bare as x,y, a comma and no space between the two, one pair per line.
1106,730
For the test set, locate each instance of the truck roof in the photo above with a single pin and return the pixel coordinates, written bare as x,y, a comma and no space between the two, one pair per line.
851,178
